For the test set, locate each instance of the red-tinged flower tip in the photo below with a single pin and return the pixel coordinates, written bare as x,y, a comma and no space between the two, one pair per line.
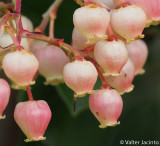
111,56
20,66
123,83
92,22
33,118
151,8
51,63
138,53
129,22
37,45
80,76
4,96
106,105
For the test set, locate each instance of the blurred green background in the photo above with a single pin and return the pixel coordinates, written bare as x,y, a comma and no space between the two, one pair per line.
140,119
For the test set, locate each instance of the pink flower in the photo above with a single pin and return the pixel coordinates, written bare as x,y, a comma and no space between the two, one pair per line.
80,76
33,118
4,96
20,67
151,8
106,105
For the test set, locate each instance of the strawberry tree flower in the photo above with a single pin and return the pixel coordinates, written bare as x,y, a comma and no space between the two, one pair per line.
51,63
20,66
111,56
106,105
91,21
100,50
33,118
131,22
4,96
80,76
151,9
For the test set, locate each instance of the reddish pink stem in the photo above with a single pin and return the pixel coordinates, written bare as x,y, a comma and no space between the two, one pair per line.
51,28
16,43
50,13
53,15
43,25
74,50
6,17
119,2
30,96
18,6
104,83
111,34
19,22
87,50
54,41
122,3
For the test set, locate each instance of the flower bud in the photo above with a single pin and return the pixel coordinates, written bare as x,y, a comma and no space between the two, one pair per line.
80,76
111,56
4,96
20,67
106,105
33,118
51,63
92,22
123,83
129,22
138,52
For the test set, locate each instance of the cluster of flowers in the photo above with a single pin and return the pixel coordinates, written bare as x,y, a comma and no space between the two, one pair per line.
106,42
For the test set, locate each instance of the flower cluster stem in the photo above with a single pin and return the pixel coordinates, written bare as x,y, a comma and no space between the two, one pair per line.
46,16
9,31
58,42
30,96
51,28
119,2
19,22
104,83
18,6
111,34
